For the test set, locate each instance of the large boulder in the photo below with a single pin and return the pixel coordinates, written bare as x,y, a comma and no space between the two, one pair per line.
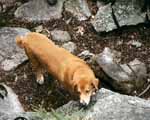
120,13
109,106
103,21
127,77
10,54
39,10
128,12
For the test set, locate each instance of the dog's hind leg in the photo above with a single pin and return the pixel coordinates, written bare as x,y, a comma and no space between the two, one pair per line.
36,66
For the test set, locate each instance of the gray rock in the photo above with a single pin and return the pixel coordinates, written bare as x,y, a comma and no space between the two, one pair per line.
87,56
10,54
135,43
126,78
23,116
79,9
9,101
121,13
39,10
39,28
128,12
11,108
138,70
70,46
60,36
103,21
109,106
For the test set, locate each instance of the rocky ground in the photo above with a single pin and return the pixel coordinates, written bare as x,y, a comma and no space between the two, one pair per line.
131,41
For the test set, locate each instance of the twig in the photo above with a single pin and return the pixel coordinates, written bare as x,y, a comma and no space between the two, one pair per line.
142,93
132,70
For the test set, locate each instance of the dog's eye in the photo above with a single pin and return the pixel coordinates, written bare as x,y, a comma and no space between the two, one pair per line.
92,85
78,92
87,91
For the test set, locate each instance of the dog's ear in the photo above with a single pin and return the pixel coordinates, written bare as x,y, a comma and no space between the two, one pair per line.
75,88
95,83
20,41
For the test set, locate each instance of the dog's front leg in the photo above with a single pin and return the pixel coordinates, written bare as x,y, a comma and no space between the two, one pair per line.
36,66
39,76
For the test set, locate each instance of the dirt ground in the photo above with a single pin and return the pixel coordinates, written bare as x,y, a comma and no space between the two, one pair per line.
50,95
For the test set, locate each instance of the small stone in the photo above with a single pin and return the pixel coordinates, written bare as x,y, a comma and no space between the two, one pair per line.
60,36
70,46
120,42
80,30
86,54
39,28
135,43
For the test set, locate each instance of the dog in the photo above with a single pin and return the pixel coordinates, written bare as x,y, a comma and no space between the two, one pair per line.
72,72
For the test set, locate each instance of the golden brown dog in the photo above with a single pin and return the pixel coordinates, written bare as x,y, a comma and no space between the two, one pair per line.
71,71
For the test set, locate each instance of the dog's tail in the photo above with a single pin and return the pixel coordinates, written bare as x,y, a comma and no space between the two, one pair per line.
20,41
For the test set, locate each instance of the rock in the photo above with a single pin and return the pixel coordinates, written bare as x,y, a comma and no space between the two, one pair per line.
120,13
22,116
109,106
138,70
60,36
103,21
9,103
70,46
137,44
39,28
128,12
10,54
11,108
79,9
87,56
125,78
39,10
80,30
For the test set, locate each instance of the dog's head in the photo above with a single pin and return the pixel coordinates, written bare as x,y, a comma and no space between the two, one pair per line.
86,88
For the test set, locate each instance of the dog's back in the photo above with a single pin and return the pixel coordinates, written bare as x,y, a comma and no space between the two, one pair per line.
55,59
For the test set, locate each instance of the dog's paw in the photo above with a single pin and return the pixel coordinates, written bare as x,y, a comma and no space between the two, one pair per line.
40,80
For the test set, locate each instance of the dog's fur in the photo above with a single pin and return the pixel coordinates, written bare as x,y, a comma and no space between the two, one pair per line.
71,71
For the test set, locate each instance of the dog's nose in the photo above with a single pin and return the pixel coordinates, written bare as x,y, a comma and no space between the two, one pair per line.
83,104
